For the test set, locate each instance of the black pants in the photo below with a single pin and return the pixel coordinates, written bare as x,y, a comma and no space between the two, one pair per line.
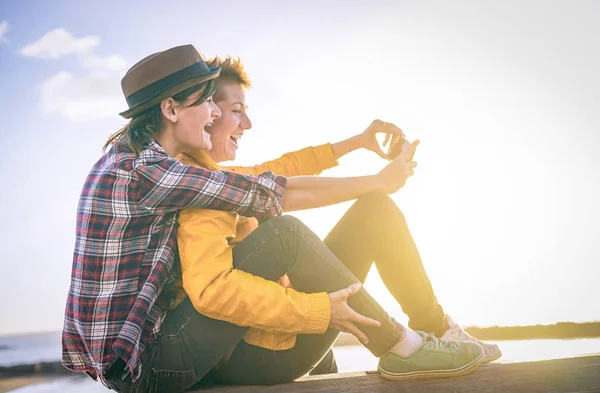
373,230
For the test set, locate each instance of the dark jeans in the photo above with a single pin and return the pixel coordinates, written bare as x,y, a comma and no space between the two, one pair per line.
374,229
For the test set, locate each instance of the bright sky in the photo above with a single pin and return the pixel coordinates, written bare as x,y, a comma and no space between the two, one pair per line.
505,97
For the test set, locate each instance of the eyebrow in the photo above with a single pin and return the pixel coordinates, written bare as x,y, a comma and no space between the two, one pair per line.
242,104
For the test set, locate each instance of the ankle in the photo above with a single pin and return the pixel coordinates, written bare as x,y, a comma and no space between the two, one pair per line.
408,345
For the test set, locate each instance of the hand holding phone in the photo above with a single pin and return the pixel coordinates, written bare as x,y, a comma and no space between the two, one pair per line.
394,175
397,145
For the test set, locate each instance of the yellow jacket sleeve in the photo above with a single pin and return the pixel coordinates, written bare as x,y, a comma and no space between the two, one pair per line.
308,161
221,292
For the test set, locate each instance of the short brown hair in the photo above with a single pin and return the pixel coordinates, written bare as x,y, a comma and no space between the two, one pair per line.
232,70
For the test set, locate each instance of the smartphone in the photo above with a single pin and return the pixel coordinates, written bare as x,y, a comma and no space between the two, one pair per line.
397,144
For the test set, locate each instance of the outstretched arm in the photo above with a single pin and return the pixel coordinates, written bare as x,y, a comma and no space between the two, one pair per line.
314,160
166,185
304,162
307,192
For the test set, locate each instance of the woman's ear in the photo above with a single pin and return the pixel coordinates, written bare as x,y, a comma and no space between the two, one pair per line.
167,107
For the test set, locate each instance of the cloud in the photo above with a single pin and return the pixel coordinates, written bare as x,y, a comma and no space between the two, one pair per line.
59,42
91,96
112,62
94,96
3,29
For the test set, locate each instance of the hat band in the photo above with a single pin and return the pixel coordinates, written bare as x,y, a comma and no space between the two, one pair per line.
197,70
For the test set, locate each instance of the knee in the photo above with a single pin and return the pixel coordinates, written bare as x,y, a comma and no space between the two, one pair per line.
286,222
375,198
379,205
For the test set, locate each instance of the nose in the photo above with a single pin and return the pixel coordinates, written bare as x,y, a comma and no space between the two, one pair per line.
215,111
246,124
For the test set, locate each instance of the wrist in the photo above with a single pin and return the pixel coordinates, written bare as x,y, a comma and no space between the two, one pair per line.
377,184
346,146
357,141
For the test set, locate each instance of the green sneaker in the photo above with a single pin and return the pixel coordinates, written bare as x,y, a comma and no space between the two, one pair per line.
436,358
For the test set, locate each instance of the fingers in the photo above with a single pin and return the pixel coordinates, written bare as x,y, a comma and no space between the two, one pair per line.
380,153
415,143
356,332
392,129
344,317
389,128
350,326
387,139
365,321
284,281
352,289
409,151
414,147
356,317
345,293
410,168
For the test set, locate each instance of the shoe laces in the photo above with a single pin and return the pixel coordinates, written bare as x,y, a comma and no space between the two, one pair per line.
441,344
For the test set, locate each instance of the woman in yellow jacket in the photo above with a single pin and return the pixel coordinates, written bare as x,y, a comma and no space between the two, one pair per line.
235,299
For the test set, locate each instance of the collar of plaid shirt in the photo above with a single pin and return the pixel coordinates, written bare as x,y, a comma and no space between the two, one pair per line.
126,248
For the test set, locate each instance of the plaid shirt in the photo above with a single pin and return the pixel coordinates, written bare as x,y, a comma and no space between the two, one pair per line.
126,248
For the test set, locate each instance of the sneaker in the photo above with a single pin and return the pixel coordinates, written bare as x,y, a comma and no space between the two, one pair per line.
455,333
436,358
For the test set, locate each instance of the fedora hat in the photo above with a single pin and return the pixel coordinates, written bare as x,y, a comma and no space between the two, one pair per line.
162,75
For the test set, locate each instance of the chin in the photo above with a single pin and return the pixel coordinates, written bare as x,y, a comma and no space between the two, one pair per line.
231,157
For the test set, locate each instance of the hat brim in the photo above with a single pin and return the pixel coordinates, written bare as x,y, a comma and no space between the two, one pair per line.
157,98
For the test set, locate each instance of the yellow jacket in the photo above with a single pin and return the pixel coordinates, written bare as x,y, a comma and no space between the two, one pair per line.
205,238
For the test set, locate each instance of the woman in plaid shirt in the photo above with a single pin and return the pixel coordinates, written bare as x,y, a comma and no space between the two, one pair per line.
126,247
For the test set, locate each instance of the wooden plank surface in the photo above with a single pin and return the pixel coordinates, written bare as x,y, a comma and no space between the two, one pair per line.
580,374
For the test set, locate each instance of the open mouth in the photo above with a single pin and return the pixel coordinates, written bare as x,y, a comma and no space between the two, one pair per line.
235,139
207,126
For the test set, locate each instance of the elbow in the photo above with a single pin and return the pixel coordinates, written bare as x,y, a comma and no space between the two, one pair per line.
207,305
204,293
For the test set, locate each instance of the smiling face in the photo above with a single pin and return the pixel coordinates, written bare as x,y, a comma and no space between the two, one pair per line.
226,131
185,118
192,123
